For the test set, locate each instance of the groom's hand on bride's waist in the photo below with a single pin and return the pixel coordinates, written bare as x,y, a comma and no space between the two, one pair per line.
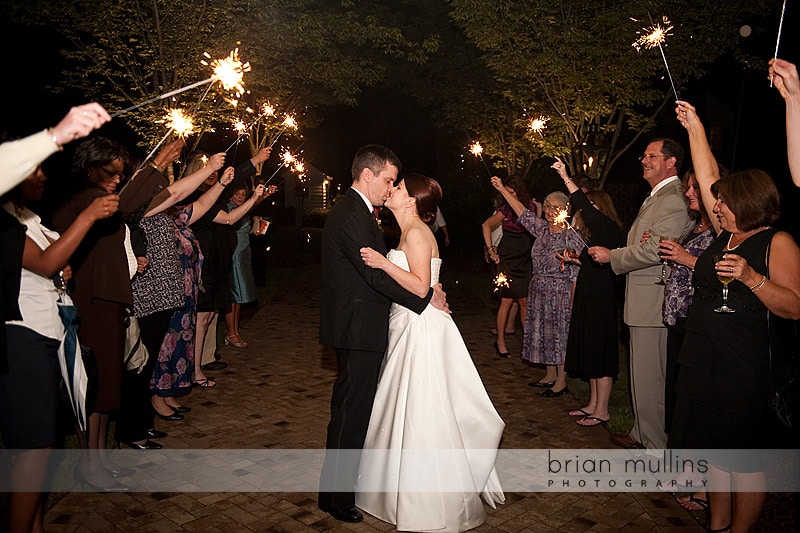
439,299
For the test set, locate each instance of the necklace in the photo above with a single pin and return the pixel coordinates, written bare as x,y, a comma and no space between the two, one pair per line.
745,236
701,227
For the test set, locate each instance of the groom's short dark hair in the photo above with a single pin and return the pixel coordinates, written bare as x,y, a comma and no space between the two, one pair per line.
374,157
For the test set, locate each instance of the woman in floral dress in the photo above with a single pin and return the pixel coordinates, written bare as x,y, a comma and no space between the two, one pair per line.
551,286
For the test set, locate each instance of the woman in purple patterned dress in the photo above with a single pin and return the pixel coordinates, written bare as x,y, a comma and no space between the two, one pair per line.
550,289
174,371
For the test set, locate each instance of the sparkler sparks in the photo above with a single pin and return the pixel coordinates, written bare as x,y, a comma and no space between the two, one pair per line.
653,36
538,124
239,126
656,35
268,110
477,150
561,220
229,71
179,122
500,281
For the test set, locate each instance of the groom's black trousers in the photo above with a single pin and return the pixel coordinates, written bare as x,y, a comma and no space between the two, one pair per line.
351,407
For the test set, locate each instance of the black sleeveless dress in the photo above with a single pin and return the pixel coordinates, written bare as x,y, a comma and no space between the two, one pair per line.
723,384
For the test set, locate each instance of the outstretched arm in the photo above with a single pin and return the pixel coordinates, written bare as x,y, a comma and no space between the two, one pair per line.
706,169
234,215
784,76
182,188
201,206
52,259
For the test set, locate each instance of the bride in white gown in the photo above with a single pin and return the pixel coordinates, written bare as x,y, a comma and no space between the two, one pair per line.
433,436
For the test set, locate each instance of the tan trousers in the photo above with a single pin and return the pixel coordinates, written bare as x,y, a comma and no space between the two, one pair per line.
210,342
648,358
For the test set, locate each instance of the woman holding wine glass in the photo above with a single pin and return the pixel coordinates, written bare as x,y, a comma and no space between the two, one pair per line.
724,379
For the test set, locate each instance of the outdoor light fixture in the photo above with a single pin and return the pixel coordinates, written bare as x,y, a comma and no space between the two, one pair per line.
591,152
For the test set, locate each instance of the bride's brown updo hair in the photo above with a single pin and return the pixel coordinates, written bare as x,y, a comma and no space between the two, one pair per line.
426,192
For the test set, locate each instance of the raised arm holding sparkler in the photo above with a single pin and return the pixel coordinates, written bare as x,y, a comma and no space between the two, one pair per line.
784,75
182,188
18,159
512,200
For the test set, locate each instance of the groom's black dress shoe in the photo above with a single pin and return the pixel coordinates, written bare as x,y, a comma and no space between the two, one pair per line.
343,515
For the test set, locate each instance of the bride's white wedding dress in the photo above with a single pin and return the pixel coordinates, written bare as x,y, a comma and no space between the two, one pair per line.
433,436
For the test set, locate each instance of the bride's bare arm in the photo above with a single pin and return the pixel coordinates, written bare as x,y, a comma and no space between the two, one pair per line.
418,252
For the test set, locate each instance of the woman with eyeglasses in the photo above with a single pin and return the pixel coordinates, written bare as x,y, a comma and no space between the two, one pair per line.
550,290
102,266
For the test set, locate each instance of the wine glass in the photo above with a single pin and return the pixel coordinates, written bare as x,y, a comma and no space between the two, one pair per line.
662,280
724,279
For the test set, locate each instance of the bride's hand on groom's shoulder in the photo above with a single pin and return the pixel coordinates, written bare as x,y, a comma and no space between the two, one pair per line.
373,258
439,299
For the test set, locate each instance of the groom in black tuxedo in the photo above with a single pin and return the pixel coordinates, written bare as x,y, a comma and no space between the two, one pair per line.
354,318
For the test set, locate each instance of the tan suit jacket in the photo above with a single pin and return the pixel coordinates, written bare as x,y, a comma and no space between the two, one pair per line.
664,214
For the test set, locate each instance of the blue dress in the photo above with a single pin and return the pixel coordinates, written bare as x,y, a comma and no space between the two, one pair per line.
243,285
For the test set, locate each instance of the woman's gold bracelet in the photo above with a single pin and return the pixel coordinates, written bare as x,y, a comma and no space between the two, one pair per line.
760,284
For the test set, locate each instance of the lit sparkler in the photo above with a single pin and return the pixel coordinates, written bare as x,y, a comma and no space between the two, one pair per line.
500,281
477,150
562,219
538,124
239,126
288,123
179,122
268,110
290,161
228,71
654,36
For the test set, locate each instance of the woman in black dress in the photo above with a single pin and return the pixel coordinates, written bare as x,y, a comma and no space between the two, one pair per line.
593,344
724,379
513,257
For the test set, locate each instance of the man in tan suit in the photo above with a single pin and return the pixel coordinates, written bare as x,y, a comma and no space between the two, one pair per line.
663,213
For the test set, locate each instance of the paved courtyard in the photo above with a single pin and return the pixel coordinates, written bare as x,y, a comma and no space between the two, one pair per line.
275,395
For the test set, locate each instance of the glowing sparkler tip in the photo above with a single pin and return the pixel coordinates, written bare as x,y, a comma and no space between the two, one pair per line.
230,71
179,122
290,122
268,110
500,281
654,35
476,148
239,126
538,124
561,217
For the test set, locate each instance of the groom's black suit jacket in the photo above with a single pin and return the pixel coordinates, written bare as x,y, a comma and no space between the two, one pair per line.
355,300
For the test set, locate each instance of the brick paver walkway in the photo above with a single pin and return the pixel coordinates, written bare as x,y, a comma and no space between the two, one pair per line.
275,394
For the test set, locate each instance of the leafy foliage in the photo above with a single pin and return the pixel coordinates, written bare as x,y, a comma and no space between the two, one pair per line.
572,60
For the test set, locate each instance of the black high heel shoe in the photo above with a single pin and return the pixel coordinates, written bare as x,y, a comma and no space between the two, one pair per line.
504,355
146,445
180,409
169,418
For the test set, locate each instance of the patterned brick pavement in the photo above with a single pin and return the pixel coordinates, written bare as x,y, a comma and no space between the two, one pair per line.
275,394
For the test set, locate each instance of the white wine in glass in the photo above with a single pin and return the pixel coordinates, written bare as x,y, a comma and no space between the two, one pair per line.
725,279
662,280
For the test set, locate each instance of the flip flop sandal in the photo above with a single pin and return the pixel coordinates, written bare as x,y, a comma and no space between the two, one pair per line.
594,421
579,412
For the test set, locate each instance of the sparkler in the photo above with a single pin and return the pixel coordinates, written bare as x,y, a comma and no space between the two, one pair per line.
656,35
538,124
177,122
228,71
288,122
780,30
561,219
500,281
290,161
477,150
